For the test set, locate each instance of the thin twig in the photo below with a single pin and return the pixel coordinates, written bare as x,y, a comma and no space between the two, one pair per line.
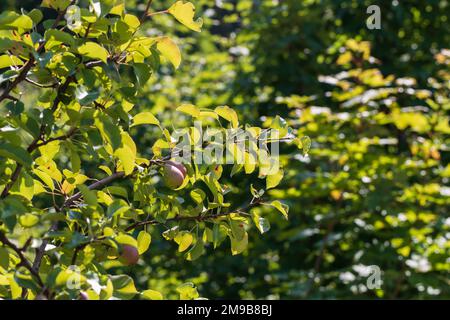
66,136
23,260
147,8
96,185
53,85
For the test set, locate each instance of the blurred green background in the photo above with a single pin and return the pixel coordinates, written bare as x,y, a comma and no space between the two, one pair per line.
374,189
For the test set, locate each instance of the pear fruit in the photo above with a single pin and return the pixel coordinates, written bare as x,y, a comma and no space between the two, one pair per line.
129,255
174,174
83,296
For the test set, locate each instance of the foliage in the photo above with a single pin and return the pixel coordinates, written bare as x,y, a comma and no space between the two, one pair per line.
372,190
80,199
365,127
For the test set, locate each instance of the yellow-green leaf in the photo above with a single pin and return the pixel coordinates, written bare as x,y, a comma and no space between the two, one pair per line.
284,209
127,157
28,220
184,13
143,240
93,50
274,180
152,295
184,240
228,114
189,109
7,61
238,246
169,50
145,118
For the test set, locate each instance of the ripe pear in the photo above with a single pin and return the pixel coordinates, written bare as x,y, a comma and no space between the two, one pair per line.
129,255
174,174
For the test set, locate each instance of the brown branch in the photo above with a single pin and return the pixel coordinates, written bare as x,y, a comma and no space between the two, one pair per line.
12,180
66,136
41,250
96,185
145,14
87,30
23,260
10,97
22,75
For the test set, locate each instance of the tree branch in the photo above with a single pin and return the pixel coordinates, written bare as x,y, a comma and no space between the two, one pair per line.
96,185
23,261
41,250
40,85
145,14
22,75
66,136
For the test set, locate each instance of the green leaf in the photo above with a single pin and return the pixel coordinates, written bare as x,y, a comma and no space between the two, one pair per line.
16,153
228,114
284,209
169,50
93,50
306,144
184,13
24,186
142,72
28,220
45,177
123,287
127,157
12,20
126,239
89,196
187,291
55,37
35,15
239,245
198,195
55,4
274,180
8,75
7,61
184,239
24,279
152,295
117,208
4,258
189,109
196,251
261,223
143,241
132,21
109,131
145,118
280,124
